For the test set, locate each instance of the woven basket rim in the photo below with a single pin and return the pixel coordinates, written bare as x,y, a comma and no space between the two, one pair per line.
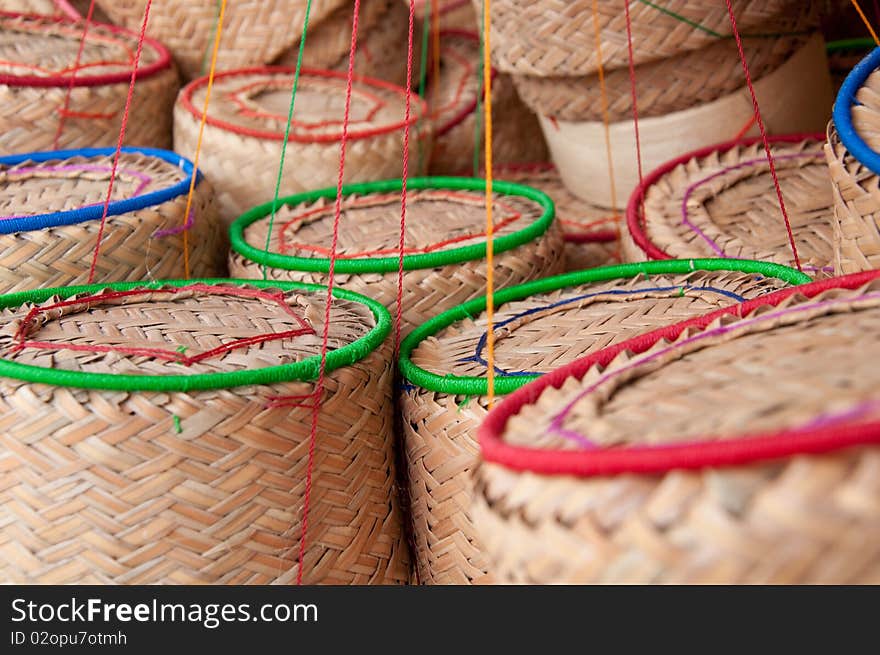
855,43
652,460
95,212
304,370
162,63
362,265
842,116
635,220
469,385
185,100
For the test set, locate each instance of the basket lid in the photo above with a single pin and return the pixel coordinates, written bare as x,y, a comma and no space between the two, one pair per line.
445,219
785,374
254,102
454,95
63,187
857,112
547,323
183,335
39,51
721,202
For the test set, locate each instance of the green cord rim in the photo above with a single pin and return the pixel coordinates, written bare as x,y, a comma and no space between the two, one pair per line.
305,370
390,264
479,386
842,45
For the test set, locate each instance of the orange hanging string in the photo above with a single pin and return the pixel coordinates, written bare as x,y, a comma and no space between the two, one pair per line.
866,21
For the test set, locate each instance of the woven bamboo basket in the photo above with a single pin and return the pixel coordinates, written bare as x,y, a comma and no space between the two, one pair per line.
590,232
788,105
52,204
36,55
854,162
539,326
251,34
383,28
453,102
721,202
663,86
245,128
178,453
557,37
44,7
734,448
444,255
452,14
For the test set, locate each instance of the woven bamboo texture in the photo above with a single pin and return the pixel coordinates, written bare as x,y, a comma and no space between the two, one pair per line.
452,14
535,335
724,204
787,106
46,47
856,190
557,37
241,148
140,244
453,102
801,519
44,7
663,86
590,232
219,499
251,34
433,219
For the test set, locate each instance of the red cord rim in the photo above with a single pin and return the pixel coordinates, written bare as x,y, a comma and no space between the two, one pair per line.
187,93
162,63
693,455
635,221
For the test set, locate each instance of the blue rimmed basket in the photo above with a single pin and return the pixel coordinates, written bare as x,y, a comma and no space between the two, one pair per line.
52,204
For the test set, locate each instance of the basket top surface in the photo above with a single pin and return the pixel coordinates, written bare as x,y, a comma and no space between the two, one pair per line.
453,96
857,112
48,189
255,102
722,203
445,223
41,50
777,373
182,335
543,325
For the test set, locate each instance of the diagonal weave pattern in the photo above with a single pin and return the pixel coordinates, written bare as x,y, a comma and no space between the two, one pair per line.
804,519
440,429
219,499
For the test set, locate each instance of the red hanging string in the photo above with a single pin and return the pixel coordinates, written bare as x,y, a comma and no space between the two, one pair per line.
134,70
319,385
761,127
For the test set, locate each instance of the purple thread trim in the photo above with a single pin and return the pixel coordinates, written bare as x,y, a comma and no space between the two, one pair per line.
744,164
556,427
190,221
145,179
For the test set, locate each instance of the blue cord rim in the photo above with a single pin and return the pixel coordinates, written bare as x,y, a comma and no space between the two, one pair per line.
83,214
842,114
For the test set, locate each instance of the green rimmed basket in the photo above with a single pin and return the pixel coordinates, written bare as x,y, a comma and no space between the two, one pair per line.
539,326
445,260
159,433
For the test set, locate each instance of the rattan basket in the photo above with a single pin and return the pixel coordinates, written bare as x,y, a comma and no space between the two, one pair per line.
241,147
445,254
788,105
255,32
453,104
735,448
557,37
663,86
52,204
539,326
160,433
37,54
721,202
854,162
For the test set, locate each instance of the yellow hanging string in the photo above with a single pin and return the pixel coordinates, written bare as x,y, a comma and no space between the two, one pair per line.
490,226
192,182
866,22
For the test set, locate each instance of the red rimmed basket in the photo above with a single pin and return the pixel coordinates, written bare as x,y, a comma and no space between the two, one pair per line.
34,81
245,127
579,485
453,101
720,201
